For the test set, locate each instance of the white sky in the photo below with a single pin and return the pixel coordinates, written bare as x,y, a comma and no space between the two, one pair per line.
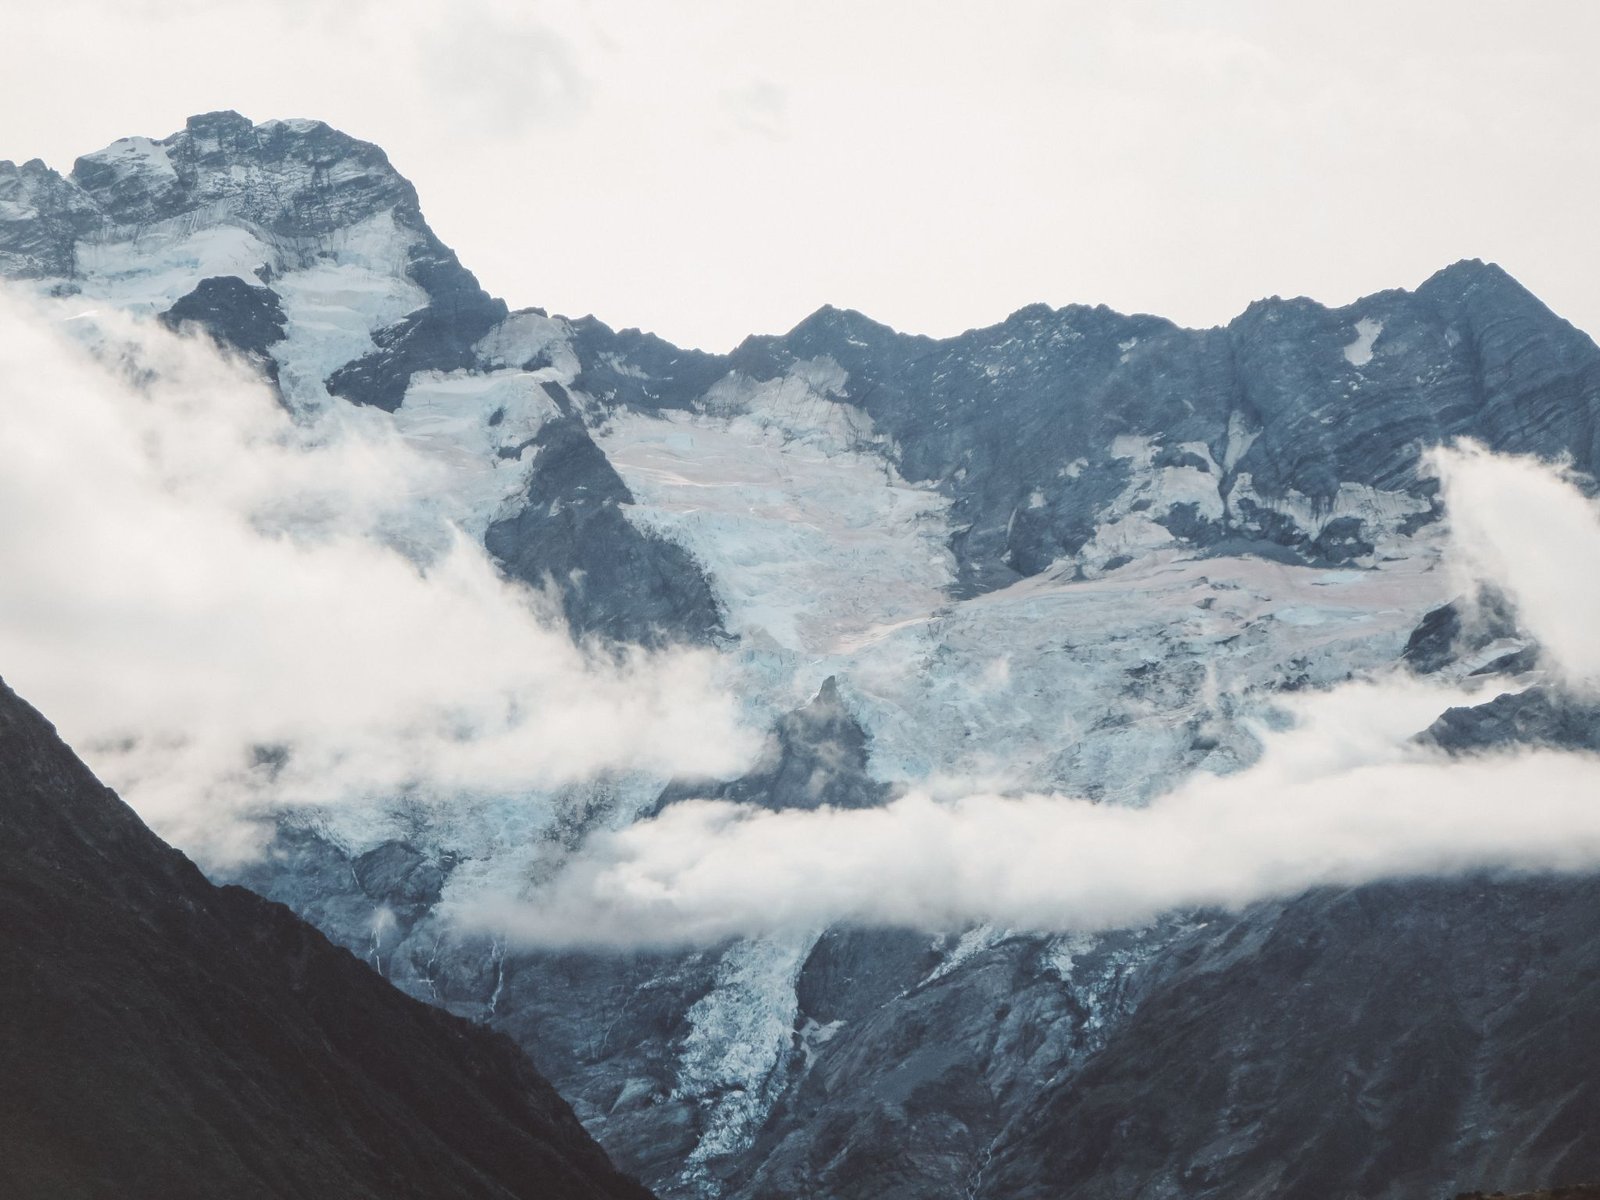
711,168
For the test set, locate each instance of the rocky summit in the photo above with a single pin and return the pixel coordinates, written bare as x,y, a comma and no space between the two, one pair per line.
1098,549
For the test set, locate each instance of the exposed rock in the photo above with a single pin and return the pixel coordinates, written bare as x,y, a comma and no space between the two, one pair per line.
613,578
639,370
815,758
234,314
296,178
1540,716
438,337
1463,628
40,217
401,876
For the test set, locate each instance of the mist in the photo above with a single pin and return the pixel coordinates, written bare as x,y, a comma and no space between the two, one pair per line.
228,613
1344,796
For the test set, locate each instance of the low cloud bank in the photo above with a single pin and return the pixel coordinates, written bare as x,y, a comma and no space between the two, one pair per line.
1343,797
227,612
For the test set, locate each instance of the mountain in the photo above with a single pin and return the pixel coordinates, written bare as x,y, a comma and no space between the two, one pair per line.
163,1037
1077,550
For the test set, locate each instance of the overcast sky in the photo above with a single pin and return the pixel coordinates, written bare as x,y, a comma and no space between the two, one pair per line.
711,168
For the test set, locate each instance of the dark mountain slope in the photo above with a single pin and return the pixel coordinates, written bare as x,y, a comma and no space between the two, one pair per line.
162,1037
1391,1041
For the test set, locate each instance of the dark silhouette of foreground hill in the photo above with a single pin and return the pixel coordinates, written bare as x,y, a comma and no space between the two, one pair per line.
163,1037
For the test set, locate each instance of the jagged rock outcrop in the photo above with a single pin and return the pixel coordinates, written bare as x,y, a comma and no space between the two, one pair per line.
570,533
162,1037
239,316
292,181
1464,628
40,217
816,757
1540,716
280,213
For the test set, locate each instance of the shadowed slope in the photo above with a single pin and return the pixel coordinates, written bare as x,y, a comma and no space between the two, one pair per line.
163,1037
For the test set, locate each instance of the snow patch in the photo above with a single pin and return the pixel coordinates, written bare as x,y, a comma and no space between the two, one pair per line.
1240,439
970,944
526,338
1061,954
733,1060
1382,514
476,430
1130,525
1359,352
336,289
813,1035
812,544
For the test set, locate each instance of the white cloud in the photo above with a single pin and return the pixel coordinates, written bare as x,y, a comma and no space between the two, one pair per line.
1524,526
189,575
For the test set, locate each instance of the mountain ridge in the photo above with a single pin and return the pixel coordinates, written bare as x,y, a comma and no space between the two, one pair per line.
226,129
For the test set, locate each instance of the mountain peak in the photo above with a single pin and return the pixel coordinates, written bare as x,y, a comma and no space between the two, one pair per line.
289,177
835,330
223,120
1467,273
1483,294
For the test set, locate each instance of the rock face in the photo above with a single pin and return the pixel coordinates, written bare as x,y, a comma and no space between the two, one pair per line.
570,534
1540,716
817,757
1392,1041
1076,550
237,316
1467,625
163,1037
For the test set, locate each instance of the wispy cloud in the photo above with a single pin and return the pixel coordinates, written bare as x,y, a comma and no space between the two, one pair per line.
1525,526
